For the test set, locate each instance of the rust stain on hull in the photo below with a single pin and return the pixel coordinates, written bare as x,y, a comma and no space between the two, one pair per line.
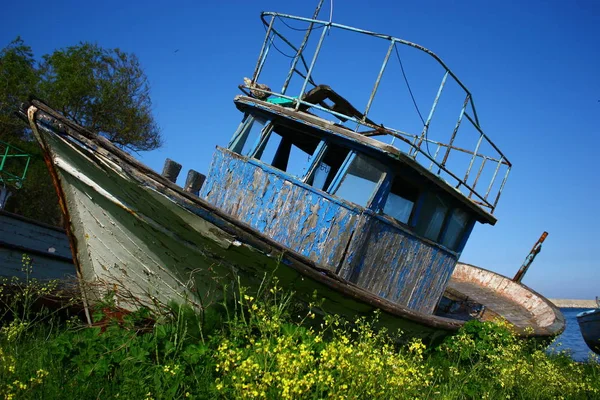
46,153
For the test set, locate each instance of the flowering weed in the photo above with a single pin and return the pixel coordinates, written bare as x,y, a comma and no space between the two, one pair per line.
263,345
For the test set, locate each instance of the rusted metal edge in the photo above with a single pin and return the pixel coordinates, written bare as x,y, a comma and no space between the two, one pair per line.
31,118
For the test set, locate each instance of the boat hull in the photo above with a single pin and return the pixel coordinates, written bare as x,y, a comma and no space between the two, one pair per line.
589,325
142,240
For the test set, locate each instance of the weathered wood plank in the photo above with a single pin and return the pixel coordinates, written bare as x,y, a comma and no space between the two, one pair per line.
47,247
18,232
43,268
288,212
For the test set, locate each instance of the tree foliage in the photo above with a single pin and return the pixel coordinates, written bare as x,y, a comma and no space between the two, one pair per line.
18,79
104,90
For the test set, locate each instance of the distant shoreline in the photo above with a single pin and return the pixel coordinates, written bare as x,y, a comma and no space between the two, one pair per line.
574,303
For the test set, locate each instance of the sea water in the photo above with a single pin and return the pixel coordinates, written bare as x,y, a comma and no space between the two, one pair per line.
571,339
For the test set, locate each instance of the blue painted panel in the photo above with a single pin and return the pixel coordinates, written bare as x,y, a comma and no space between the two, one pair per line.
393,263
365,248
47,247
277,205
16,231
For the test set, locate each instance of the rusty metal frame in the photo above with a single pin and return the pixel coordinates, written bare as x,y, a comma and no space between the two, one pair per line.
459,179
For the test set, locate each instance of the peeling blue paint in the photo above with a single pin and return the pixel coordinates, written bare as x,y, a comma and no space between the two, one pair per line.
366,248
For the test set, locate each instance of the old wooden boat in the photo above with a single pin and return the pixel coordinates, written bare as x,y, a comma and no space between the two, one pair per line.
589,325
323,206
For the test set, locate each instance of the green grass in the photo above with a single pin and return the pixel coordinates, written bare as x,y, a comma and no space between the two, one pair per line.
263,346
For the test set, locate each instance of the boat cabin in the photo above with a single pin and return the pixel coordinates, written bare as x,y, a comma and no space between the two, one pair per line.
361,208
355,206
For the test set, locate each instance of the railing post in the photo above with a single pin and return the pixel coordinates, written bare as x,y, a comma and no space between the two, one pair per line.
437,150
4,157
501,188
263,52
478,174
455,131
493,178
473,158
312,64
301,48
372,97
433,107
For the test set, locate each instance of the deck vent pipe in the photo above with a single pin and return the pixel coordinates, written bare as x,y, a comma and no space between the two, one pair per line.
171,170
194,182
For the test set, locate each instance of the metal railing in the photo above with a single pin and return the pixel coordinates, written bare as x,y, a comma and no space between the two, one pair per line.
14,164
413,143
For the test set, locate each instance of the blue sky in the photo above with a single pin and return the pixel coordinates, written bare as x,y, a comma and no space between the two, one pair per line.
532,66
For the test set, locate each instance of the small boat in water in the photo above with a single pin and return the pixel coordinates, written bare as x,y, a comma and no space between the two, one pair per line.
589,325
323,206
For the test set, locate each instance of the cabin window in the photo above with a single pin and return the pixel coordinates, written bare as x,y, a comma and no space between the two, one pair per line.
457,224
248,135
327,168
287,151
360,180
431,217
268,148
401,200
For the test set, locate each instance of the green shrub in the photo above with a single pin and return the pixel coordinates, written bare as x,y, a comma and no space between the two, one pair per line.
261,345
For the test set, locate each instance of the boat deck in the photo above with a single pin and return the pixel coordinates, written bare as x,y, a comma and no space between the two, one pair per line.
476,293
493,302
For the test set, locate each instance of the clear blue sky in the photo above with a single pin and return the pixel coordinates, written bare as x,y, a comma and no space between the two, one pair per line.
533,67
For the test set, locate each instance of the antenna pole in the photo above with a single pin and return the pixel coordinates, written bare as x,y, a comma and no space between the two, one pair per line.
529,259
